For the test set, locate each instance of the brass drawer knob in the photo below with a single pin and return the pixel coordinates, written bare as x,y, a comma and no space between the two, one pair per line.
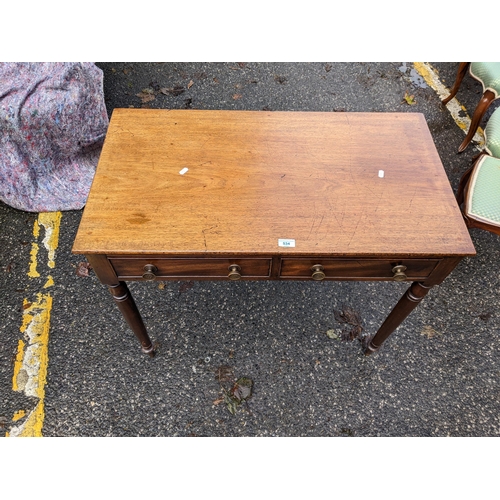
317,272
399,273
149,272
234,272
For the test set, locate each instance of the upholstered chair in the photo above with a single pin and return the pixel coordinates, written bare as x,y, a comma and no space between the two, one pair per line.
478,194
492,135
488,73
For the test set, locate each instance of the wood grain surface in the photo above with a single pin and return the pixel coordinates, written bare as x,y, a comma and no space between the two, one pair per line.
254,177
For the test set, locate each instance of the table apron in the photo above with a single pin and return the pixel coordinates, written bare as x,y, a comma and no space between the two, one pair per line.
270,268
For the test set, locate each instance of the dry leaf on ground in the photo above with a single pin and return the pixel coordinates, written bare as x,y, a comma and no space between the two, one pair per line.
224,373
429,332
185,286
83,269
177,90
409,99
332,334
234,393
242,389
146,95
352,323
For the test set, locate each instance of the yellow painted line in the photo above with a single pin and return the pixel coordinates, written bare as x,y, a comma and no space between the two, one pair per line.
36,228
50,282
33,425
33,273
31,363
18,415
18,364
35,327
457,111
51,221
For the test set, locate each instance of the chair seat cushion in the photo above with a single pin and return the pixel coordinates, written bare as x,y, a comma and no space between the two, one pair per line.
492,134
483,195
488,73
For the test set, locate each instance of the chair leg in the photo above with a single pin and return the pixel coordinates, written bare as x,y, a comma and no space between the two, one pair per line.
486,100
462,69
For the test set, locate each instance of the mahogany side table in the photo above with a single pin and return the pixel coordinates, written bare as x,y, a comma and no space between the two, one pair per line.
257,195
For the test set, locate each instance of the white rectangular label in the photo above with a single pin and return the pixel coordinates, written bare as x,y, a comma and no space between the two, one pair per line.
286,243
184,170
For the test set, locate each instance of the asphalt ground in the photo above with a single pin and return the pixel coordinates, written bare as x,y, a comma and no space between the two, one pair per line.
437,375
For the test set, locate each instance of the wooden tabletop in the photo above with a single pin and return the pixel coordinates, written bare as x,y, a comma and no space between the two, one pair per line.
188,182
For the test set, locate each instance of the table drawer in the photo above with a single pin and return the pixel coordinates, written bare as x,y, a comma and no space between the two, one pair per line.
169,268
369,269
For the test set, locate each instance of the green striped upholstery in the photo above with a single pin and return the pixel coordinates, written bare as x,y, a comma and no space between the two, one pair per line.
483,196
492,134
488,73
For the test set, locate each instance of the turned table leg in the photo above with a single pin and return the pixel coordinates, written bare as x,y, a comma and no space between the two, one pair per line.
126,304
403,308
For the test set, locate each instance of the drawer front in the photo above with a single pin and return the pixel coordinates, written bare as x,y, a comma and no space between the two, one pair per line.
140,268
354,269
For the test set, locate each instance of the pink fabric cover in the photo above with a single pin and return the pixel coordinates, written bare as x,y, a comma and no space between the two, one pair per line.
52,126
